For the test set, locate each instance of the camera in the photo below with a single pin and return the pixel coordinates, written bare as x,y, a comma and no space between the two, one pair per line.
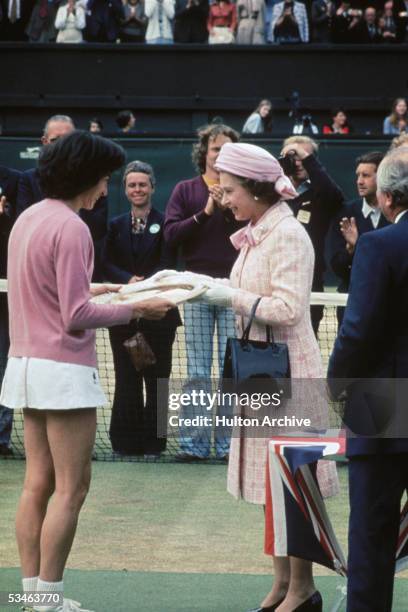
288,163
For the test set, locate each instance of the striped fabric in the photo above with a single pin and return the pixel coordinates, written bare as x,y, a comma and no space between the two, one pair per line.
296,519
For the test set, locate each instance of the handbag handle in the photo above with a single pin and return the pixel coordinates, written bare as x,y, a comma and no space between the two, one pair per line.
269,332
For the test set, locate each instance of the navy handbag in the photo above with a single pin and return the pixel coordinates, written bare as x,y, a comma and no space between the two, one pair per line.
256,366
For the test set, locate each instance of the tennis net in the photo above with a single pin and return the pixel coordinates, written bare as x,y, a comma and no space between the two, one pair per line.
103,450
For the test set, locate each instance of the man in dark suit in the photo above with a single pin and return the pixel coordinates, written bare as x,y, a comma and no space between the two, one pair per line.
319,200
8,190
400,12
354,219
190,21
103,20
14,17
372,348
367,31
30,192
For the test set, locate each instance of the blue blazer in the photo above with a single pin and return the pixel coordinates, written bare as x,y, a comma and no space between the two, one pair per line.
120,260
8,184
373,342
104,17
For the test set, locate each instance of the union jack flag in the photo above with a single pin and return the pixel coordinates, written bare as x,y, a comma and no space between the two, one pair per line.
297,523
296,520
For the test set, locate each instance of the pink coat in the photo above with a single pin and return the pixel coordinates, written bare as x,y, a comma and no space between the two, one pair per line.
279,267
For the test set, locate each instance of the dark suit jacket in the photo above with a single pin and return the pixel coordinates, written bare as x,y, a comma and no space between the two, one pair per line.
340,259
15,31
103,21
30,192
401,23
362,36
120,262
373,342
321,201
190,24
8,185
320,22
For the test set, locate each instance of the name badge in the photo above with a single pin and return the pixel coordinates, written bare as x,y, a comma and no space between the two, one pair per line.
304,216
154,229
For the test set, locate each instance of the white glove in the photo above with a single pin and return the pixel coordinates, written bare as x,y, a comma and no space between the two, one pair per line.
219,295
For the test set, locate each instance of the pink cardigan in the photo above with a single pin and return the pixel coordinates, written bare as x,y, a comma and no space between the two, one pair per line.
50,264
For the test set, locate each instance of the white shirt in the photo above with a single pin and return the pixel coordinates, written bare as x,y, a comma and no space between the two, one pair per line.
375,213
18,8
400,214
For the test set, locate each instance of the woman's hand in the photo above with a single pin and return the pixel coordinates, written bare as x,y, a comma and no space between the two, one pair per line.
101,288
217,193
153,309
218,295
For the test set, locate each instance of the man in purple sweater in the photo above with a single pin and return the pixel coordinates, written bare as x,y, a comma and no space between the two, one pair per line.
196,222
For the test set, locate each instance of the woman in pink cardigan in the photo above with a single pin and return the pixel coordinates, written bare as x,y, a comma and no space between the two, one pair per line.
51,372
275,262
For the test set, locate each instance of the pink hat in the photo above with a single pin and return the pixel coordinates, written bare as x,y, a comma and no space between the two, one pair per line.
253,162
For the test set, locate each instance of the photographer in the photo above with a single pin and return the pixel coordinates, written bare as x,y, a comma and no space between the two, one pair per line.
304,125
318,202
289,23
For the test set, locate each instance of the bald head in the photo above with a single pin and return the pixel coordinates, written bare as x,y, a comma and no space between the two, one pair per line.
57,126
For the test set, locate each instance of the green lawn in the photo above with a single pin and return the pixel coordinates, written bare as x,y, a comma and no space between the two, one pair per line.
161,517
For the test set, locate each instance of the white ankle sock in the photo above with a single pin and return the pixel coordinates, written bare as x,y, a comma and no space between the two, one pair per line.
30,584
49,587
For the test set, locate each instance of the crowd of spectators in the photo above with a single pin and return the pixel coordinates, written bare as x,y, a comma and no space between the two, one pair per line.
204,21
260,121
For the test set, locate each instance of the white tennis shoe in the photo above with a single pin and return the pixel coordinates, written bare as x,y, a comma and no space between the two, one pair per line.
69,605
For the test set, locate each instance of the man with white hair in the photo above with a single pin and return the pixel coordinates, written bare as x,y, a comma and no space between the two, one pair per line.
372,349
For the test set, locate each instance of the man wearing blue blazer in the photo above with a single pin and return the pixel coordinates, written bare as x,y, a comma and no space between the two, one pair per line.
354,219
372,347
103,20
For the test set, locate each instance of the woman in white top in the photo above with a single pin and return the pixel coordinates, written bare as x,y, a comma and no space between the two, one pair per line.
159,28
70,21
256,122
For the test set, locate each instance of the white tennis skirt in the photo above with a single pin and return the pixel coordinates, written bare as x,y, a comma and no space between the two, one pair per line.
50,385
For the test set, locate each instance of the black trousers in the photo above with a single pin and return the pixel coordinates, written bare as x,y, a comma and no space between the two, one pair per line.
377,484
133,427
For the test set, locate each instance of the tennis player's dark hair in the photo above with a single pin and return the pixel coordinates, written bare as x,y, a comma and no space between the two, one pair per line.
75,163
